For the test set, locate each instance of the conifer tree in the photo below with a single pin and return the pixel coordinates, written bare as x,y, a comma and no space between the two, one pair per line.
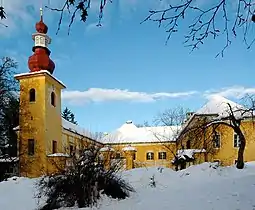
68,115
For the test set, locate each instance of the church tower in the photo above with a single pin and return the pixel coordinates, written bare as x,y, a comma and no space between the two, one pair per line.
40,123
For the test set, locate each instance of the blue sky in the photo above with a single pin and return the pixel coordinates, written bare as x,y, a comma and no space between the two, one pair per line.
123,70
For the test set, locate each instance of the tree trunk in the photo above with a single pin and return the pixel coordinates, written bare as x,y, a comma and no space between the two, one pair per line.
240,158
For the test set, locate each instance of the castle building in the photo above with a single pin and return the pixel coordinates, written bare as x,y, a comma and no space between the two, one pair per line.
188,143
46,141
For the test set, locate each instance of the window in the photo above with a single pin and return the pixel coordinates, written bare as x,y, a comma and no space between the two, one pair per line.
118,155
32,95
37,40
150,156
162,155
31,147
216,140
54,147
134,156
42,42
71,149
236,140
52,99
188,144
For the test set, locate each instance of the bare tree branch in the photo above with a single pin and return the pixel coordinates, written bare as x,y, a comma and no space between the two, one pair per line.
204,25
81,7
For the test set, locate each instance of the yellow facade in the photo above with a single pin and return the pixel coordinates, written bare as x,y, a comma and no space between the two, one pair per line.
142,149
41,121
226,153
41,128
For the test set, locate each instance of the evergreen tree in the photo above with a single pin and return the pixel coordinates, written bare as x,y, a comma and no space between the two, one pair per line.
9,106
68,115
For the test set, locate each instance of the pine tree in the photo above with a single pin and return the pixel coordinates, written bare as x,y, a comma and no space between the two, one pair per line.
68,115
72,120
9,106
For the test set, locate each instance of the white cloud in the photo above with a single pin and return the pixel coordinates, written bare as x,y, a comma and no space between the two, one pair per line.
101,95
104,95
231,92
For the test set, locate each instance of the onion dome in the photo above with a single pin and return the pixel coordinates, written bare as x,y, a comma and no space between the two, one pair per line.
40,60
41,27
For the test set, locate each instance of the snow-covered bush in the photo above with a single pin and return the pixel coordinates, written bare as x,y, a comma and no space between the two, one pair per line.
83,183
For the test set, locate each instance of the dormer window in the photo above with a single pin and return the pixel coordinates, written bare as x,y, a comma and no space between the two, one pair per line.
32,95
53,99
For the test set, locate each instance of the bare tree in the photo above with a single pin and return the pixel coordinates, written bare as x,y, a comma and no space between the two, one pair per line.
80,7
204,126
203,20
207,20
172,119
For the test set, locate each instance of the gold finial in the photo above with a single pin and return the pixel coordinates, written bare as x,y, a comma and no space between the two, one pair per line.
41,13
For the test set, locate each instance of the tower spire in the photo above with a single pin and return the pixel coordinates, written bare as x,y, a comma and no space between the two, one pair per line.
40,60
41,13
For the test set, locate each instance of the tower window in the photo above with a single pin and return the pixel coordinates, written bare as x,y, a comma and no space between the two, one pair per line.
53,99
54,147
32,95
31,147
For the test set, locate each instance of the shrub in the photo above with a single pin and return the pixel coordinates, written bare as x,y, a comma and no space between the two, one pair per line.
83,183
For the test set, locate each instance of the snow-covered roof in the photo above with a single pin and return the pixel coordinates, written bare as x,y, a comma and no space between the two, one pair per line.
106,149
129,148
71,127
130,133
219,105
58,155
39,72
188,153
8,159
76,129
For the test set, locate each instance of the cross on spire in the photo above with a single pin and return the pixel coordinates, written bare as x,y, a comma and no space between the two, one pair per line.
41,13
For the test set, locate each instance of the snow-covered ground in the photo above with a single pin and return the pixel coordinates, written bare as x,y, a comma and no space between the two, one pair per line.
199,187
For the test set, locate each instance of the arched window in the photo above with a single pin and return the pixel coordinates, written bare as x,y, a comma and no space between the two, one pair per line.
53,99
32,95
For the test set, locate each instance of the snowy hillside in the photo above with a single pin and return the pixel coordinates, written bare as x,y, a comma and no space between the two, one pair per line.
199,187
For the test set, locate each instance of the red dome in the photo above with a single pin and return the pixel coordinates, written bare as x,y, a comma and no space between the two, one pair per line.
41,27
40,60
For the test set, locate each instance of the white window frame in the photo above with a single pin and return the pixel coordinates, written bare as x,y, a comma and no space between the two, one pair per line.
238,140
160,155
150,156
214,143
